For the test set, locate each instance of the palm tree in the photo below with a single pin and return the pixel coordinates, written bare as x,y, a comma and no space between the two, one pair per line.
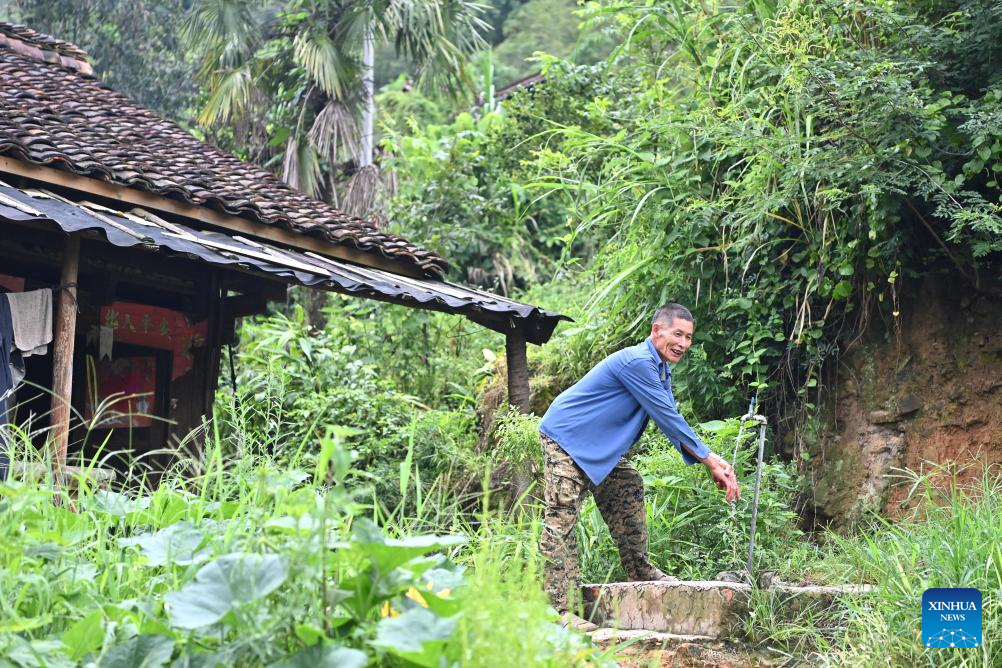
292,80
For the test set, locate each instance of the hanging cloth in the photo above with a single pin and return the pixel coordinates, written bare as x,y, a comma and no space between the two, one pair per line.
6,379
31,314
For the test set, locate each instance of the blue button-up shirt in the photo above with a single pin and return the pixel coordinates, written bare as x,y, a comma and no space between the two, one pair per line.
600,417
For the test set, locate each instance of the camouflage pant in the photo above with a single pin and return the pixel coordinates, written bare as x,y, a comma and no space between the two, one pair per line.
620,499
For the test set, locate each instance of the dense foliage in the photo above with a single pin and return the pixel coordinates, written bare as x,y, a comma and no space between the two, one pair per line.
294,383
465,188
251,564
784,168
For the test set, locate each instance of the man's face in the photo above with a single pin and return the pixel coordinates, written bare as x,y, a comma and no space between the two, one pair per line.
671,340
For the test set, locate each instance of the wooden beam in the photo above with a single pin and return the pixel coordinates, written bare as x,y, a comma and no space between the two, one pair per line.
218,219
62,352
518,367
244,305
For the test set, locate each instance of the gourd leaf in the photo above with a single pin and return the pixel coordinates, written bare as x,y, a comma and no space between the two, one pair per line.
389,553
417,635
85,636
222,584
145,651
325,656
176,544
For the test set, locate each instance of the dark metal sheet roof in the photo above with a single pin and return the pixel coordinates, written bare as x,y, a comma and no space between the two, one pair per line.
140,228
55,114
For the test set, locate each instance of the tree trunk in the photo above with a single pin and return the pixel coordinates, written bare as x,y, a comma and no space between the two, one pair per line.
314,302
369,111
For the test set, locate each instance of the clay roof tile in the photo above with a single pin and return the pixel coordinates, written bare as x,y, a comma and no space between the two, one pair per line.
54,112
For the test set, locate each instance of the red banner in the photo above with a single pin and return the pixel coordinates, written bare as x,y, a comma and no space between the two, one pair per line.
156,327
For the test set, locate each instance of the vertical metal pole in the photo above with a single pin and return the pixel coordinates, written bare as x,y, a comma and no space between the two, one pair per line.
758,485
62,352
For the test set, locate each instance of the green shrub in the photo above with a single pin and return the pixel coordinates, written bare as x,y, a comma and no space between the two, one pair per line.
253,564
294,383
506,613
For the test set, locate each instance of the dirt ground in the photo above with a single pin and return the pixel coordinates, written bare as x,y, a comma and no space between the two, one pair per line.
920,391
693,655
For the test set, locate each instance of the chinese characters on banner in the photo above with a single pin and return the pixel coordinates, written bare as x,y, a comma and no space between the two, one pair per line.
156,327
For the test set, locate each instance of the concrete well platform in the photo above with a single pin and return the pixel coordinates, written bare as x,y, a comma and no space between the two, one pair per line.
705,608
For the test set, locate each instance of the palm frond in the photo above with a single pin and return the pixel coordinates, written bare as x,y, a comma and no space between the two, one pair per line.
363,188
224,31
335,128
301,166
437,36
327,64
230,93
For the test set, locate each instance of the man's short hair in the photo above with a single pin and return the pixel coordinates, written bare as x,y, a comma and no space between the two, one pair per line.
667,314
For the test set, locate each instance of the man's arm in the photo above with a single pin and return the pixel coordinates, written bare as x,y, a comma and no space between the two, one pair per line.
641,380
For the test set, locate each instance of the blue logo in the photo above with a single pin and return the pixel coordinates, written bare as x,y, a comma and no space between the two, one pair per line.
951,617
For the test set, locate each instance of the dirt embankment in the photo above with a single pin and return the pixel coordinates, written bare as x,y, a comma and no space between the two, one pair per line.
928,393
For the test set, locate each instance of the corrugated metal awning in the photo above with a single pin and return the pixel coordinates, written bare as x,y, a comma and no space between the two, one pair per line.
140,228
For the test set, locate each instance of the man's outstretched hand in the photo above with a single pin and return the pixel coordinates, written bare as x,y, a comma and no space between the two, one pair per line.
723,477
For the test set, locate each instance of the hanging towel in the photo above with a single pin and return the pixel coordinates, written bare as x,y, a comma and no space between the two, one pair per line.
6,345
31,314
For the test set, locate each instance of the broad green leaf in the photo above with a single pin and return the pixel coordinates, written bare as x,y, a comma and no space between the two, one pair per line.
417,636
438,579
139,652
42,653
21,624
713,425
229,581
309,634
117,505
388,553
842,290
85,636
47,550
220,659
442,590
325,656
177,544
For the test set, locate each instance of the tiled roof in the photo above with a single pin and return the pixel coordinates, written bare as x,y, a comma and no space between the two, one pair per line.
53,113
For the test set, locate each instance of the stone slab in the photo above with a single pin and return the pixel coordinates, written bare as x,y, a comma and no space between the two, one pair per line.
647,640
705,608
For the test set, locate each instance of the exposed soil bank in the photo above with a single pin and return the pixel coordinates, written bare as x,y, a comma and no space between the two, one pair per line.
925,390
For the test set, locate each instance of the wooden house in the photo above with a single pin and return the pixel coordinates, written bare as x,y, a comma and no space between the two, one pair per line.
154,243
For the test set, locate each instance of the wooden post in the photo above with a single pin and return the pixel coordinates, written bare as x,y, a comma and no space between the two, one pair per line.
217,295
518,367
62,352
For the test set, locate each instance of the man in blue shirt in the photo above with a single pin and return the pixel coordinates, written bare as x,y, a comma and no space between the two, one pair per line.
585,434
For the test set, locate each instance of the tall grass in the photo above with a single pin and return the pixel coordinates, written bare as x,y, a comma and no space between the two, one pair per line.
507,618
953,539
